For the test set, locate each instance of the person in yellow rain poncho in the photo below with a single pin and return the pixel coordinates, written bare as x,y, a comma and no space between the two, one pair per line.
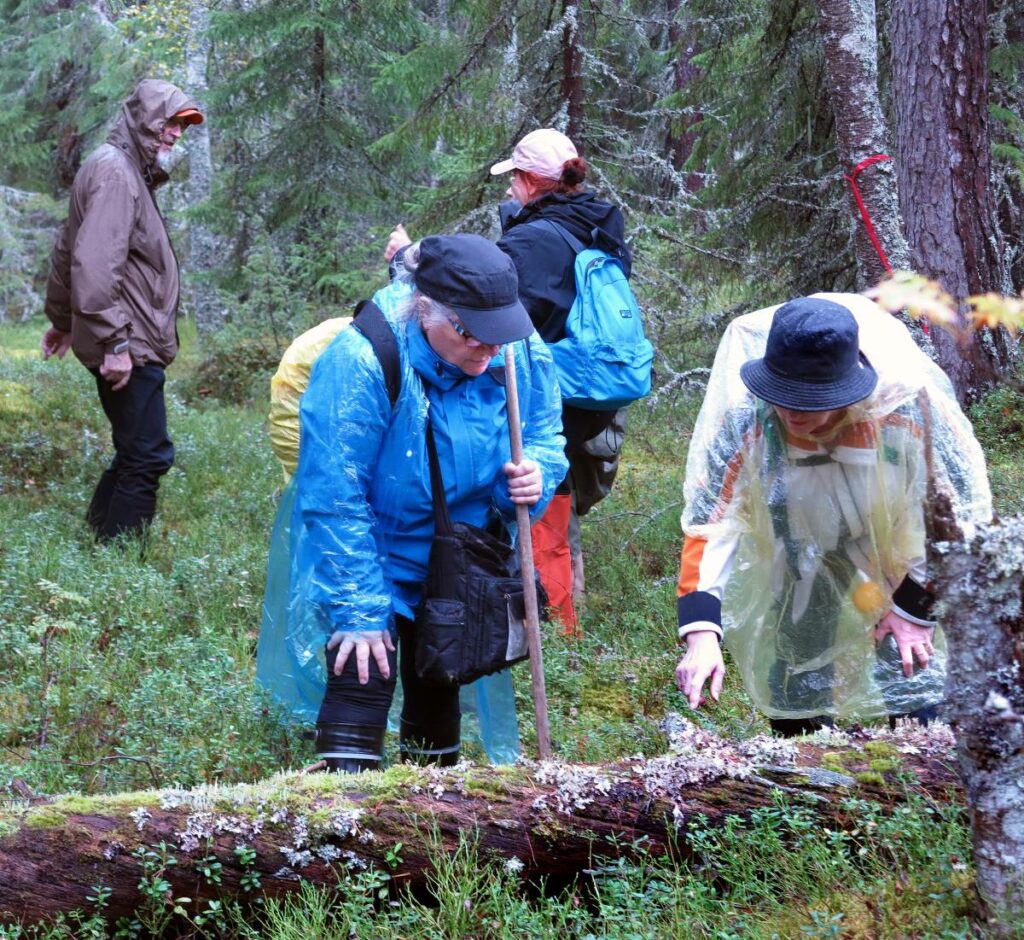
804,542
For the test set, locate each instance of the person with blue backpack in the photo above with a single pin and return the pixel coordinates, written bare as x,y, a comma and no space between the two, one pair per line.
569,249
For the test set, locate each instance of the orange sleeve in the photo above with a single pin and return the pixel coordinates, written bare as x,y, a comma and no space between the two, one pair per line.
689,564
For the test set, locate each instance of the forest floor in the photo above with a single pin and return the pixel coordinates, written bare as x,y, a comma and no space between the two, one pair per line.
123,672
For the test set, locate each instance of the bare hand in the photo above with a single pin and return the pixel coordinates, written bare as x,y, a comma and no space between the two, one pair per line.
377,642
397,240
117,369
56,343
912,640
702,661
525,482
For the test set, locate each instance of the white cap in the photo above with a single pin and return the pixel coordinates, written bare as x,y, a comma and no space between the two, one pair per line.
542,152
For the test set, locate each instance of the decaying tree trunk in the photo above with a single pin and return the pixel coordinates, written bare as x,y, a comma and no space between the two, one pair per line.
552,818
981,583
850,43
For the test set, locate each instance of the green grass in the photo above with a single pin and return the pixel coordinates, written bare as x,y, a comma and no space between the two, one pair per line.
124,672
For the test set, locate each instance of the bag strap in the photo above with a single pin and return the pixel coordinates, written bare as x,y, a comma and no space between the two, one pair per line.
371,322
571,240
442,519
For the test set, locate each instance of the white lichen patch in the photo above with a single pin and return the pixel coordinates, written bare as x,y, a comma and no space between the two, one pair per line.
575,787
514,865
297,859
140,817
346,823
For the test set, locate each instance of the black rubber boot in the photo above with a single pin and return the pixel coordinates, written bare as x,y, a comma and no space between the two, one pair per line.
794,727
437,744
349,749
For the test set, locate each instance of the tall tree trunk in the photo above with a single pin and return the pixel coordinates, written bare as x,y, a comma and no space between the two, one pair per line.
981,583
203,245
680,138
851,69
572,69
552,818
940,93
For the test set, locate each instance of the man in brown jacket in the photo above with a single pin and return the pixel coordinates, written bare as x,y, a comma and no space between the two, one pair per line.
112,298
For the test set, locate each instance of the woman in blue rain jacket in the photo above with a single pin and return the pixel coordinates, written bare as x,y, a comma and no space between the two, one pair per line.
363,519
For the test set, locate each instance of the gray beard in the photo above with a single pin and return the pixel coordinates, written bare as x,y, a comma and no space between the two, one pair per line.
166,161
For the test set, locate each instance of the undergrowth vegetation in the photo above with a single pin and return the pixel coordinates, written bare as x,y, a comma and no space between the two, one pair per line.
126,670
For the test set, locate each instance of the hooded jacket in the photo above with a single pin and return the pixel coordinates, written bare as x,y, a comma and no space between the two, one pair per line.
114,275
545,263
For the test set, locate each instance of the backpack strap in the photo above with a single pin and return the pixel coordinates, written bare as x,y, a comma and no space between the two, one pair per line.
571,240
371,322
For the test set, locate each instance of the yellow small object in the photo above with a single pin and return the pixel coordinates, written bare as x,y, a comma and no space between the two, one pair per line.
869,598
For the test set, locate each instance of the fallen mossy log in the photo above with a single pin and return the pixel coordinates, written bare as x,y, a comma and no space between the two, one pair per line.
555,819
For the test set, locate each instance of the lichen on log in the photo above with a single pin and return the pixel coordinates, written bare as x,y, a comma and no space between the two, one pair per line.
544,819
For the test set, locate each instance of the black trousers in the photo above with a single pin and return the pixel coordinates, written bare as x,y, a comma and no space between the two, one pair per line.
358,714
124,501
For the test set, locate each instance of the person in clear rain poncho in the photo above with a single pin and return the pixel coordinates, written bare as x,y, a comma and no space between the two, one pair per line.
804,544
350,547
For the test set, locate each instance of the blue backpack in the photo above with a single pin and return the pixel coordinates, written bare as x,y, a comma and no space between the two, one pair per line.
604,361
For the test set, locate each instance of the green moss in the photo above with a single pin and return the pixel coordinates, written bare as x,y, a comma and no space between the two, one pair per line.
882,765
882,749
871,777
834,761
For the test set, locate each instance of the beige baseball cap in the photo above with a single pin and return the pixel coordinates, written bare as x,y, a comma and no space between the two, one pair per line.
542,152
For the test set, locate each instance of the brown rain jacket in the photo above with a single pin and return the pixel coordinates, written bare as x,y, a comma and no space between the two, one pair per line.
114,275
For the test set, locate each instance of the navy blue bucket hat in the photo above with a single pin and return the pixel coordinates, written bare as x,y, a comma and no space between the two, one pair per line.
478,281
812,361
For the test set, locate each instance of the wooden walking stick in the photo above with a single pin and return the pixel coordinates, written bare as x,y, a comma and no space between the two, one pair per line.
540,696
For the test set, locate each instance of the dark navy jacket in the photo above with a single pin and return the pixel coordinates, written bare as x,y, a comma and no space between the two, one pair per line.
543,259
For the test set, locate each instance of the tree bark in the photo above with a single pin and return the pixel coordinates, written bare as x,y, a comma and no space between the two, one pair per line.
203,246
940,94
981,583
851,67
681,138
553,818
572,70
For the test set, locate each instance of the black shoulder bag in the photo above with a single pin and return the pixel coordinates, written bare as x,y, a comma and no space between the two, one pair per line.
470,622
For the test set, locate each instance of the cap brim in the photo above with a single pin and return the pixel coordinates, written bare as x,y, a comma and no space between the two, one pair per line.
809,396
190,116
496,325
506,166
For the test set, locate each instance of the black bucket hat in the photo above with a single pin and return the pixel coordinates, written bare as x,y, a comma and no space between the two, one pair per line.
812,361
478,281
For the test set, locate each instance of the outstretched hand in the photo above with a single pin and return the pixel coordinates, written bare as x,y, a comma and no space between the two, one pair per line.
912,640
701,662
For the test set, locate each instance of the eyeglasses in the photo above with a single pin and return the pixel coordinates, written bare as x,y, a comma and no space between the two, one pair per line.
463,332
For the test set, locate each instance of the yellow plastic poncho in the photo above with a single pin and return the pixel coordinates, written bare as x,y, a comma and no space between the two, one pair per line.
812,538
288,384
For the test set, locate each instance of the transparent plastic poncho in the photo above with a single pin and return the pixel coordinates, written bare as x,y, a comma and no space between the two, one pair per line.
819,541
352,534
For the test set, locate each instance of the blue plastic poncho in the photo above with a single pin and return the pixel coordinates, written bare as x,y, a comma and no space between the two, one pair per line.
354,550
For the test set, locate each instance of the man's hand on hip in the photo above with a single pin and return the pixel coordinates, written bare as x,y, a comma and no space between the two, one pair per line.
117,369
